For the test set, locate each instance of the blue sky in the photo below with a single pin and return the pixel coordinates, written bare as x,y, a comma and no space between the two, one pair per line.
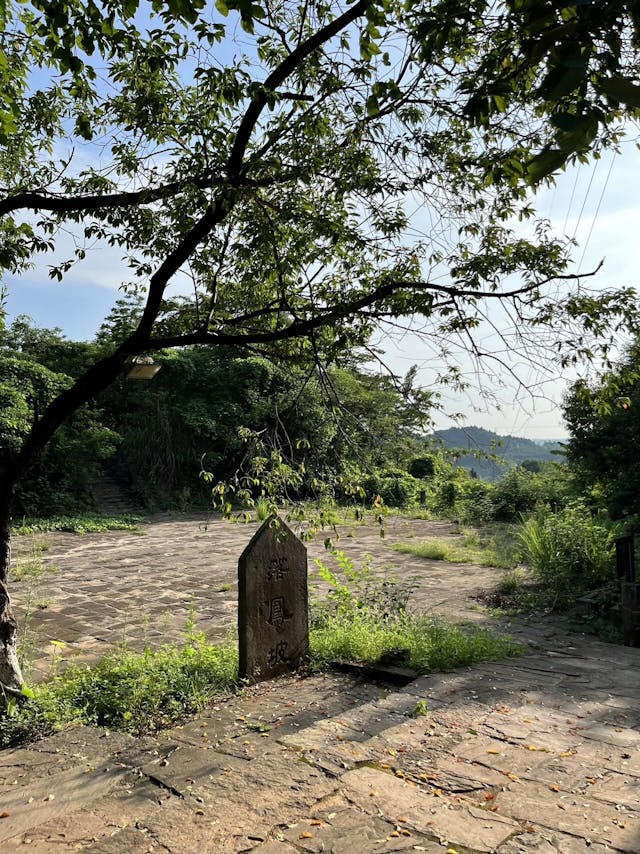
599,206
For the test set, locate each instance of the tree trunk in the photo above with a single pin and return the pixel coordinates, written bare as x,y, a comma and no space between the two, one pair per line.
11,680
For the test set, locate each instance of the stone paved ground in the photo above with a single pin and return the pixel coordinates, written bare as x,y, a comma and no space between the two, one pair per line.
530,756
101,589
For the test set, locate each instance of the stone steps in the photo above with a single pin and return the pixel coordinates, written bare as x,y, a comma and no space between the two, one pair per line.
110,498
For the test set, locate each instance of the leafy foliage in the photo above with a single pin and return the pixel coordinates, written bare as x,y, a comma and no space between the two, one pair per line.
82,523
570,552
61,479
134,692
605,431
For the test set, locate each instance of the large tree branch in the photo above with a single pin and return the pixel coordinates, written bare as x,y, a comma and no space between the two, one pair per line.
302,328
56,203
104,372
278,77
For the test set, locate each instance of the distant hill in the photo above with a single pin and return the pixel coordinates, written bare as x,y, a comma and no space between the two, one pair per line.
511,449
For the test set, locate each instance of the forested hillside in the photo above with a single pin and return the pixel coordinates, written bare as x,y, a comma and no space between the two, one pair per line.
490,455
222,411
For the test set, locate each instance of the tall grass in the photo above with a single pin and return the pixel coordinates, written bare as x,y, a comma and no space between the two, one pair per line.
569,552
429,643
126,690
365,617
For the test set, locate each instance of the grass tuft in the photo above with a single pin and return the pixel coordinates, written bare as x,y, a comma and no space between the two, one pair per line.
130,691
494,549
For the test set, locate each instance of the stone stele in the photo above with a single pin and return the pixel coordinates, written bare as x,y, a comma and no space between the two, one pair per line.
273,610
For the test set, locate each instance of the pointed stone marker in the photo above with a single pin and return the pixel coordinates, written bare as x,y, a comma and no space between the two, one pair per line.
273,610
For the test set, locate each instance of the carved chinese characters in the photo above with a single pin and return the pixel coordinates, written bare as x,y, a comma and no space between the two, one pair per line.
273,622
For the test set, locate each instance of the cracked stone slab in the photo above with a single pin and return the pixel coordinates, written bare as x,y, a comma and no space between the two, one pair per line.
128,840
190,767
348,830
105,818
501,755
237,811
443,820
540,840
618,736
617,789
273,846
574,814
57,795
215,828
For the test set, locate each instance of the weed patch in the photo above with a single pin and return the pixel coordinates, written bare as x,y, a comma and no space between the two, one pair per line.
85,523
364,619
472,547
569,552
130,691
431,644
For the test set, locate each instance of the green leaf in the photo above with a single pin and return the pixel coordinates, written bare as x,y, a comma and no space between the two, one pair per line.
545,163
621,89
373,107
565,77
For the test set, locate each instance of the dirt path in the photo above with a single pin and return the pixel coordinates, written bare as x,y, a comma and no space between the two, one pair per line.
102,589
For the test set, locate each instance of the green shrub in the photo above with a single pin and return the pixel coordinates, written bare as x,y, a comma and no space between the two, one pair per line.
569,552
396,488
356,590
423,467
366,617
514,495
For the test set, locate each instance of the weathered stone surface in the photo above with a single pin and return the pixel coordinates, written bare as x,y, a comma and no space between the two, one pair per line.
275,847
59,794
129,840
101,820
547,739
540,840
618,736
572,813
273,621
189,767
349,831
439,819
214,827
617,789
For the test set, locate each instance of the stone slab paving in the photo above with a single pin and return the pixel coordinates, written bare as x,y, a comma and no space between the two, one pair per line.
500,763
142,588
534,755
